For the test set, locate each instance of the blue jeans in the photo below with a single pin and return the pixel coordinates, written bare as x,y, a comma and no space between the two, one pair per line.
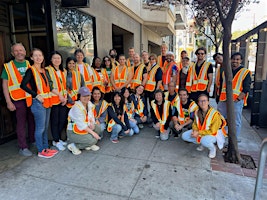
134,126
117,130
238,106
41,117
206,141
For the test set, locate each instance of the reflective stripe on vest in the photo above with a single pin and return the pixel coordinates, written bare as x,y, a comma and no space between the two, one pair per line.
167,72
140,108
162,119
237,85
181,115
129,112
43,89
151,81
76,84
121,78
86,76
102,109
58,83
176,98
86,120
14,81
112,122
98,81
138,76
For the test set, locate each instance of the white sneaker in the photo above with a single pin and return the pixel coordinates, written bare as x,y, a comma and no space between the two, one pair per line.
63,143
93,148
200,148
74,149
60,146
212,153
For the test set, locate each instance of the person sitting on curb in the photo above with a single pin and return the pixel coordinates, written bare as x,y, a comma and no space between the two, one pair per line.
81,131
118,122
161,115
184,109
207,128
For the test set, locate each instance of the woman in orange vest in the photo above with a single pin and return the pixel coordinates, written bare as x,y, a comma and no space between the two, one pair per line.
140,106
81,131
129,109
207,128
84,68
74,81
37,82
118,122
99,77
107,64
161,113
59,110
100,109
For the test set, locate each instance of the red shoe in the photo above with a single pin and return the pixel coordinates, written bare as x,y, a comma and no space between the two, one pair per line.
52,151
114,141
45,154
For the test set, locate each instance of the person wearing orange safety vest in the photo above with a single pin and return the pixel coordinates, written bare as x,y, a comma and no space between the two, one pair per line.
82,132
183,73
183,55
171,94
121,76
140,106
154,80
100,77
99,109
208,127
74,81
38,83
139,73
161,58
145,59
16,98
108,65
170,70
200,75
218,57
161,115
130,61
129,110
183,115
59,110
241,86
118,122
113,54
84,68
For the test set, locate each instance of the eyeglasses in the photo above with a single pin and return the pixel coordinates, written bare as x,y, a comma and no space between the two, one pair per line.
200,53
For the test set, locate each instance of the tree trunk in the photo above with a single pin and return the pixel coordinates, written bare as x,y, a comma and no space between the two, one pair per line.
232,155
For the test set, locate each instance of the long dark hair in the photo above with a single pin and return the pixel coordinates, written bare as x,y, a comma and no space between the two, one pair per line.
120,109
68,60
163,96
138,87
94,89
94,60
123,90
50,60
103,65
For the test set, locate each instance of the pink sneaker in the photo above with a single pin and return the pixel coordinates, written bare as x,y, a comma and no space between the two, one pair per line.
45,154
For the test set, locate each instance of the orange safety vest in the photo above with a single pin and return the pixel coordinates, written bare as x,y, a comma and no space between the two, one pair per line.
76,84
43,88
217,80
112,122
140,108
98,81
121,78
86,76
176,98
160,63
86,120
14,81
181,115
151,80
208,121
130,111
162,119
138,76
167,72
237,85
178,78
102,109
196,83
58,83
128,62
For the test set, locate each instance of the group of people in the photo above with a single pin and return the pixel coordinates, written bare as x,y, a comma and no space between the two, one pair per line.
118,97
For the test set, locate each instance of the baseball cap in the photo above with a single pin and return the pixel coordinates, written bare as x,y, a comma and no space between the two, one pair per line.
84,91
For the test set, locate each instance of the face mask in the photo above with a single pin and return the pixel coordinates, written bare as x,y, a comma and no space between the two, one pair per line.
113,56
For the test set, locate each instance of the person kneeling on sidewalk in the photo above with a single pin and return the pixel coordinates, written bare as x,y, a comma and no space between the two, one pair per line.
207,128
81,131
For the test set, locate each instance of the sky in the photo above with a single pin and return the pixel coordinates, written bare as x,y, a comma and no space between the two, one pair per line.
251,16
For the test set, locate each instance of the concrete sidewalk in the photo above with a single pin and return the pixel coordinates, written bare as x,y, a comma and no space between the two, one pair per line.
140,167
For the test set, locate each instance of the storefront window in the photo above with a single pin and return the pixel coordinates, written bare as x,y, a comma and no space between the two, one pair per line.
74,30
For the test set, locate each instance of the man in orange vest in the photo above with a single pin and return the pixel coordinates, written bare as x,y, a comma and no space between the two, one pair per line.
170,70
162,57
129,61
183,55
139,71
218,57
199,79
241,87
12,75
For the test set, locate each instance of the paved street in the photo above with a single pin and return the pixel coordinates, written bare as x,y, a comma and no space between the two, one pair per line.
140,167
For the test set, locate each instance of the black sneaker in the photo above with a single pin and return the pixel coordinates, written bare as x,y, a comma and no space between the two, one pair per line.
158,135
176,136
